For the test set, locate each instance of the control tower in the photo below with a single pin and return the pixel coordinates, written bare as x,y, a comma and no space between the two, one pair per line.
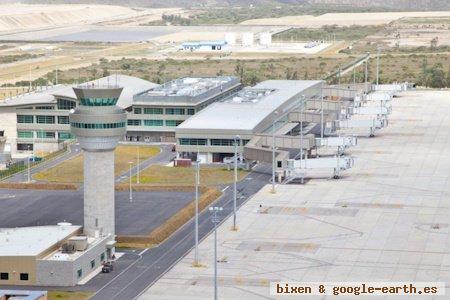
98,125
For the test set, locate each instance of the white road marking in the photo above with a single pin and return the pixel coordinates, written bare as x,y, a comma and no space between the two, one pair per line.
224,189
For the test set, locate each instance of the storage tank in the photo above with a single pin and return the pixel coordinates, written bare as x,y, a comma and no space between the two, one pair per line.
230,38
265,38
247,39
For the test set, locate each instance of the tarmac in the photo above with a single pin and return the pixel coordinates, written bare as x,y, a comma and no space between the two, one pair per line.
385,220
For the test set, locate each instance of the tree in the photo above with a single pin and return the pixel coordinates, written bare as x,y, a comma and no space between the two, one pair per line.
434,42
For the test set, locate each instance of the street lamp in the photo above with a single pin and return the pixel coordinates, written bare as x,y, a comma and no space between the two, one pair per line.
275,114
28,164
138,179
197,183
378,64
236,140
131,191
215,219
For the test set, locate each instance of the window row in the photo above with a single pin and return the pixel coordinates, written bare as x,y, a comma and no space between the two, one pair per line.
65,104
212,142
62,135
160,111
98,125
28,119
98,101
5,276
169,123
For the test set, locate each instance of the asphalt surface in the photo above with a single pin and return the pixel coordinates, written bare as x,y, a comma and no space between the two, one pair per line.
150,264
20,208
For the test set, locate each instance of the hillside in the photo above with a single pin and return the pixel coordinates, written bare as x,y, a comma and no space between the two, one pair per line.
393,4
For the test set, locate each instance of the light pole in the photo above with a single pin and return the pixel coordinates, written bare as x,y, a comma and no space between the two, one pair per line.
138,180
366,72
275,114
215,219
197,183
28,165
131,190
236,139
378,64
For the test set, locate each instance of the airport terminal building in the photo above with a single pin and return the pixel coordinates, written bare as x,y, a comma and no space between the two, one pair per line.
211,132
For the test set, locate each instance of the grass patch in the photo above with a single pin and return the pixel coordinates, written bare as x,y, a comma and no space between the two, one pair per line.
71,171
63,295
38,186
350,33
166,229
162,175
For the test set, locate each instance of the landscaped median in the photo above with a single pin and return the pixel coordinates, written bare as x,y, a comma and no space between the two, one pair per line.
157,236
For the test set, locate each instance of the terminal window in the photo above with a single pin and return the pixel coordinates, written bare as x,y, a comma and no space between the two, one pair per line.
4,276
63,120
24,119
153,122
132,122
45,119
174,111
153,111
92,263
80,273
23,276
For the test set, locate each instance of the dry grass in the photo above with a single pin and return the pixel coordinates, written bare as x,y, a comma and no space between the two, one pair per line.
63,295
71,171
179,176
38,186
166,229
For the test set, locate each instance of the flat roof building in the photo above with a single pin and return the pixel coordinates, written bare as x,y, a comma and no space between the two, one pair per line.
39,121
158,111
211,132
40,255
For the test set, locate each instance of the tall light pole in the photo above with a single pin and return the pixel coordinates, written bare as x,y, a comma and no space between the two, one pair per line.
378,64
321,112
215,219
197,183
138,179
131,190
275,114
28,165
366,75
236,140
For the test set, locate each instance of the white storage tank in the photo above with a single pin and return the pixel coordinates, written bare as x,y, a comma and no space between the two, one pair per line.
230,38
247,39
265,38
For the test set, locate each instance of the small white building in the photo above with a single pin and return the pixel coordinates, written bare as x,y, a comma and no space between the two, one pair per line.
204,46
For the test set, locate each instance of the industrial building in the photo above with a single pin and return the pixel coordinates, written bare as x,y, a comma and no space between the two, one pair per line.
39,121
157,112
204,46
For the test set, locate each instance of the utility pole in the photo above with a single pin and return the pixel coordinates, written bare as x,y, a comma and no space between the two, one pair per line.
215,219
378,64
56,76
366,71
321,112
275,114
354,74
29,77
197,183
28,165
339,75
236,139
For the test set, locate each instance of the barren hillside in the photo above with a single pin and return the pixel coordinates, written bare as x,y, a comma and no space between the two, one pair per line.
22,16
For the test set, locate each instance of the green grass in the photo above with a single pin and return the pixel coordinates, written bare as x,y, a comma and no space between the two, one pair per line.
350,33
425,20
180,176
71,171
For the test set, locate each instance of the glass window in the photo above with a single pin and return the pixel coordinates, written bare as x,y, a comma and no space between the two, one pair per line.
153,111
174,111
24,147
137,110
98,101
190,111
102,257
45,134
45,107
153,122
24,119
173,123
201,142
98,126
45,119
63,120
132,122
80,273
244,142
4,276
25,134
65,104
23,276
65,136
223,142
92,263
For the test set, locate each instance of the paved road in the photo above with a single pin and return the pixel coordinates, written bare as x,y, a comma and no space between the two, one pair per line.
151,264
74,150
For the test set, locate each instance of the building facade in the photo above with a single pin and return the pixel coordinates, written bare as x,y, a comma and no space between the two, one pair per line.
157,112
209,135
